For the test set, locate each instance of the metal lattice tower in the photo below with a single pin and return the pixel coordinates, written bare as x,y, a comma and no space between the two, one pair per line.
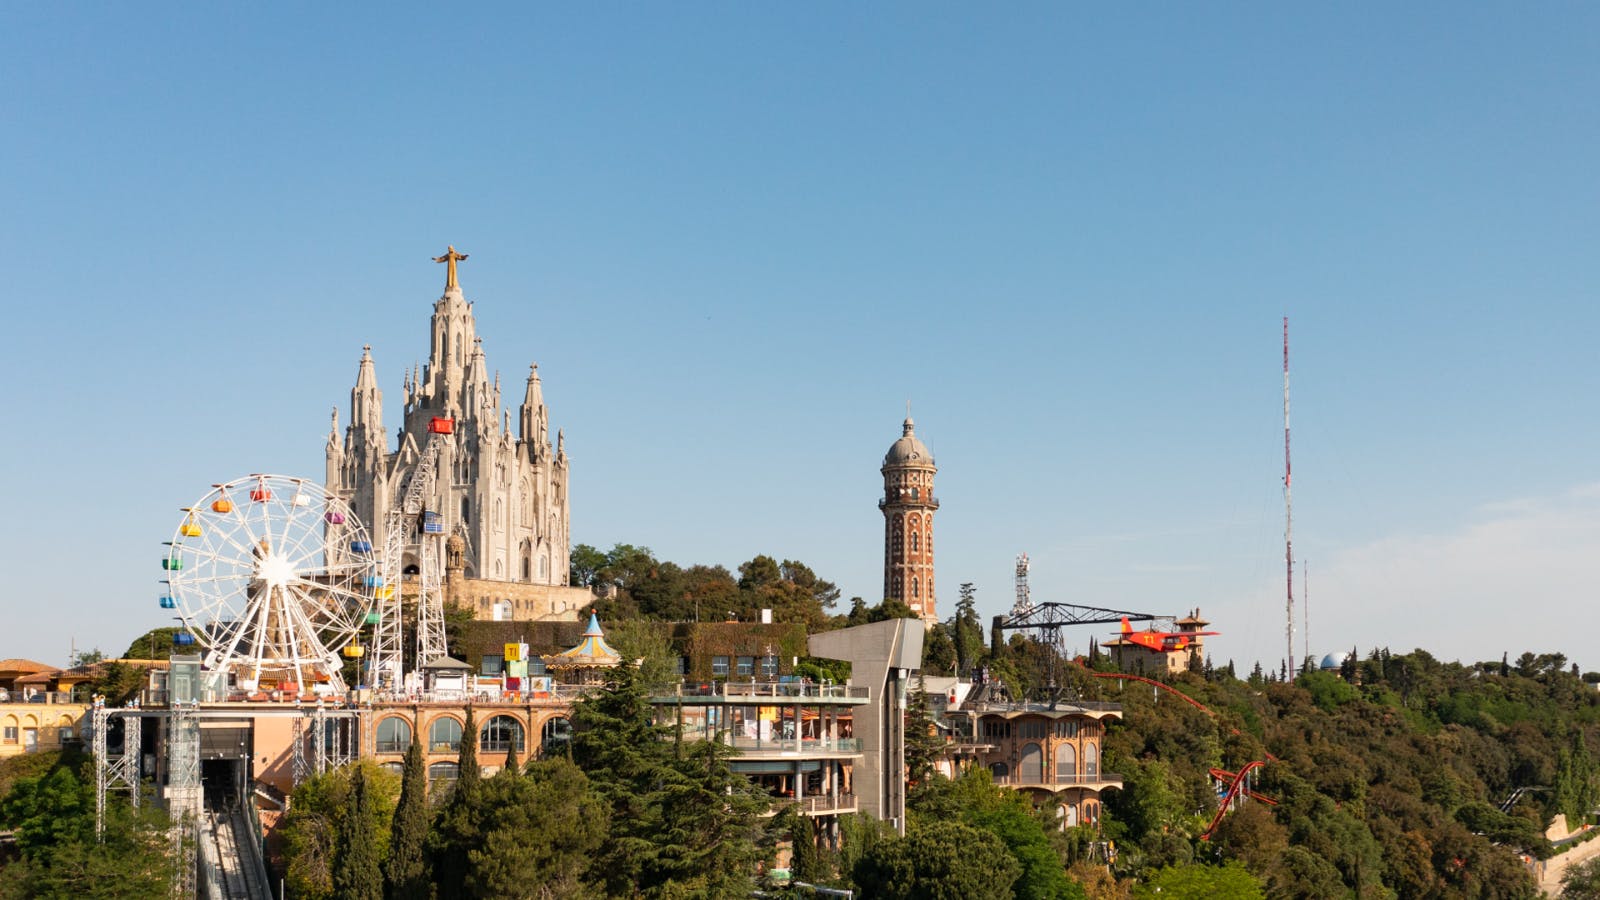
119,773
1024,599
410,525
329,743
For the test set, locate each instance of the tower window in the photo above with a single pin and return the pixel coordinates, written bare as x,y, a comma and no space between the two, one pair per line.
916,543
915,494
466,510
916,584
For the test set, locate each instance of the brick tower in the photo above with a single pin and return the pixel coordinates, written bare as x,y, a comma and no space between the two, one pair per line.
908,505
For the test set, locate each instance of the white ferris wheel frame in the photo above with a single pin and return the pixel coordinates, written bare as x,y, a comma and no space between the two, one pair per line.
272,587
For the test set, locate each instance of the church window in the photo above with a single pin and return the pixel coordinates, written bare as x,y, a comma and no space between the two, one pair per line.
544,567
498,525
916,544
916,585
466,510
499,570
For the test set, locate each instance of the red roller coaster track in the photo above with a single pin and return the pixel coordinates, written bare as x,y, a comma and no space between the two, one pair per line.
1237,782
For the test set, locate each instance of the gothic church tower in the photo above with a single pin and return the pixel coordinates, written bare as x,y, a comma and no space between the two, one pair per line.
503,495
908,505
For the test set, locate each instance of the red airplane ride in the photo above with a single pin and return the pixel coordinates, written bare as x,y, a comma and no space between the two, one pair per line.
1160,641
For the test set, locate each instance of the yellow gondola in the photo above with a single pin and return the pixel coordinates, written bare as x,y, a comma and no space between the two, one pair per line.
355,651
189,528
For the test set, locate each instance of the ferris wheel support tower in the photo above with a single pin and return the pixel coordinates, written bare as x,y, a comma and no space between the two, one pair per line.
411,525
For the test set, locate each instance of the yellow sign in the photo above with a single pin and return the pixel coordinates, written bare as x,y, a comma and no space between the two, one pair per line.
513,652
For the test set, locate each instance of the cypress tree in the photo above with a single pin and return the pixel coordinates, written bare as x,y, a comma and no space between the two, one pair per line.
457,832
355,872
405,875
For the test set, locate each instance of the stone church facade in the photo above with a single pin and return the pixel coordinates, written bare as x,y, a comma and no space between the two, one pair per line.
500,490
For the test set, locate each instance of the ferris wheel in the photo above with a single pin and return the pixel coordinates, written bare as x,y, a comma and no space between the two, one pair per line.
272,577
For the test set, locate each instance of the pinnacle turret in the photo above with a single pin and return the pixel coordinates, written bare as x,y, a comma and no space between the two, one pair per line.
366,406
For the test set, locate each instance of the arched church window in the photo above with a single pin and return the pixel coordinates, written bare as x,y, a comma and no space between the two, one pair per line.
916,543
544,567
466,510
498,525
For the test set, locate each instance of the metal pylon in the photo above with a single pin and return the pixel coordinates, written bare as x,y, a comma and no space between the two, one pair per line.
113,773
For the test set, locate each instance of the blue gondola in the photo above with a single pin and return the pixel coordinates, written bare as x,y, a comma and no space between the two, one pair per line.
361,546
168,603
183,639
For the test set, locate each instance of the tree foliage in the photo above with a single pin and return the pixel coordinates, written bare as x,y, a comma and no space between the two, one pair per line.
942,860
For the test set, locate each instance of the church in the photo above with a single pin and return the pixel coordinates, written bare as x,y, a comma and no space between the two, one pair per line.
500,495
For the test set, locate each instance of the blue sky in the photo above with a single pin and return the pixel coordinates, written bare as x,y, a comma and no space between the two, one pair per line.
738,237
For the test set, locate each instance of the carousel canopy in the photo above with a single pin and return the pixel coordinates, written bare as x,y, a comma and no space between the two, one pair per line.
591,652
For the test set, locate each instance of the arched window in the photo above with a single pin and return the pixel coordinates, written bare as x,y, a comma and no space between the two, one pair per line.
544,567
394,735
555,733
498,524
499,733
1000,772
444,735
916,587
1031,769
1066,763
1068,814
1091,762
466,510
443,772
916,542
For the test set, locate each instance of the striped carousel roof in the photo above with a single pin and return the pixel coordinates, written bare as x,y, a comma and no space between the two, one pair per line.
591,652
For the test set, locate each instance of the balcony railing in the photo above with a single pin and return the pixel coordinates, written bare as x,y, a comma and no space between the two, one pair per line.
1058,782
807,745
778,690
824,803
38,697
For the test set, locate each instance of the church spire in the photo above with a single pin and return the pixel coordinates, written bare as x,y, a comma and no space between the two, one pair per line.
533,419
366,403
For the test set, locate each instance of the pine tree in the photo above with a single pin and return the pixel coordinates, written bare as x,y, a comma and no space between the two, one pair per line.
682,821
405,875
355,872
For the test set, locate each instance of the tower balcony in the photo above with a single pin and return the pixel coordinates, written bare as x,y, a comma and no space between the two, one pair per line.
922,503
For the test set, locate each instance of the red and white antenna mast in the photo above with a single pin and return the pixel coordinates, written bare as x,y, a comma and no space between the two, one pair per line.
1288,508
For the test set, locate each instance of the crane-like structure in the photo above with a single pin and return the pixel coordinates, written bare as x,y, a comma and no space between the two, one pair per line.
411,524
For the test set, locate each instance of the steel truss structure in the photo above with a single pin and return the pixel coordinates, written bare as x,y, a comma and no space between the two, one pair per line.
410,525
331,741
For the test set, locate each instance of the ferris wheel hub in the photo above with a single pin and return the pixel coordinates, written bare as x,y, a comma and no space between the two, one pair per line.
276,570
